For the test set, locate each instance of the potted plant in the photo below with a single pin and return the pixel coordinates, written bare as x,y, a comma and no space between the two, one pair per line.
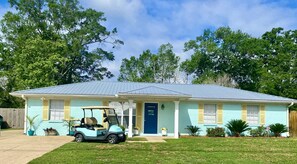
136,131
164,131
31,122
70,123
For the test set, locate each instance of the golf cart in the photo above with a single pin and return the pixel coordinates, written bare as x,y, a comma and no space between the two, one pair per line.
89,129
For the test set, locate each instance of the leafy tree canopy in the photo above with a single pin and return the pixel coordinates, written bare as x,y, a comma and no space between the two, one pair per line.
160,67
50,42
267,64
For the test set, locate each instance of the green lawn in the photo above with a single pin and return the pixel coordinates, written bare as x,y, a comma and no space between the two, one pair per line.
184,150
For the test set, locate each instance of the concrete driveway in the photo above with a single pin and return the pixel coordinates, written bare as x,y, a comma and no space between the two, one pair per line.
15,147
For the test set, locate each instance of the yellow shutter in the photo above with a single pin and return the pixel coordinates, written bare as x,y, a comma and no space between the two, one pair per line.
244,112
105,103
139,115
45,108
200,113
220,113
262,114
67,109
105,124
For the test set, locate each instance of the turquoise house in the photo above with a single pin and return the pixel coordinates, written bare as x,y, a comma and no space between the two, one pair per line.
151,106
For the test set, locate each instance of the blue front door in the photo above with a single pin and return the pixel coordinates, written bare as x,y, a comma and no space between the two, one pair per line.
151,118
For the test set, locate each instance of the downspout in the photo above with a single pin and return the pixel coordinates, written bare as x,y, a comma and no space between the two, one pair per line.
288,118
26,111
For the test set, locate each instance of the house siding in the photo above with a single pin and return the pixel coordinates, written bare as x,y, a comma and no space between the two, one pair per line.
166,117
188,115
35,108
276,114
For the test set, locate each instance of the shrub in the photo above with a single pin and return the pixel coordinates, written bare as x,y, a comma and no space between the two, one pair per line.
215,132
193,130
258,132
237,127
123,128
277,129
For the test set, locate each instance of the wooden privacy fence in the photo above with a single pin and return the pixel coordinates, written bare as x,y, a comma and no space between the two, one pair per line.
293,124
12,117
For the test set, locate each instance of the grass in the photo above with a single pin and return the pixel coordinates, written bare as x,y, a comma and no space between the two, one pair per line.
184,150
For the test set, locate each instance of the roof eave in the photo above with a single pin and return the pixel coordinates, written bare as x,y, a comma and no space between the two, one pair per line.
245,100
188,97
60,95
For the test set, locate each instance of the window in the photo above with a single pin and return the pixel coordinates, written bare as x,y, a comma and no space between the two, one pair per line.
252,114
125,106
56,110
210,114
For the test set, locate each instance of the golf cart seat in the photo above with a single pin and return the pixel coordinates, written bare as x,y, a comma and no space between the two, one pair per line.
92,121
96,125
88,121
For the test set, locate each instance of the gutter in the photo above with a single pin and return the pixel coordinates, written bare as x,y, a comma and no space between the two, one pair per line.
292,103
121,96
242,100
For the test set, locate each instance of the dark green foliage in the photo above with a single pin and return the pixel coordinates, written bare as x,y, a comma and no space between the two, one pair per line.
258,132
278,74
48,42
267,64
193,130
122,127
277,129
215,132
160,67
223,52
237,127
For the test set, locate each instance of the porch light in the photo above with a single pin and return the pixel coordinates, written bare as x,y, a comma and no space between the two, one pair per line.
162,106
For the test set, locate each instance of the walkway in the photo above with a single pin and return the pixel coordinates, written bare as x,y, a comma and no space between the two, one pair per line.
15,147
153,138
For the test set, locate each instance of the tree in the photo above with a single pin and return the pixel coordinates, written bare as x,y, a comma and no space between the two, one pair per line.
279,64
160,67
222,80
168,63
224,51
140,69
49,43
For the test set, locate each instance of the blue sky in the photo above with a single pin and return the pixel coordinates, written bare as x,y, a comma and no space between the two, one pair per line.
146,24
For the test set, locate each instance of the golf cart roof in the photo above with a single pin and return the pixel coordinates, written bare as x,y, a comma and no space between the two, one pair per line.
97,107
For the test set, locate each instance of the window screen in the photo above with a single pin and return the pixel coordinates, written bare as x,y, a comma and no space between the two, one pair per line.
253,114
56,110
210,114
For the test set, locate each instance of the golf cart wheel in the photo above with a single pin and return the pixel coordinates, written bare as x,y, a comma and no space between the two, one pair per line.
113,139
79,138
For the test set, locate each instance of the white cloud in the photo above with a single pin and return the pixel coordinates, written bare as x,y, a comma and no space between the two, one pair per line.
148,24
